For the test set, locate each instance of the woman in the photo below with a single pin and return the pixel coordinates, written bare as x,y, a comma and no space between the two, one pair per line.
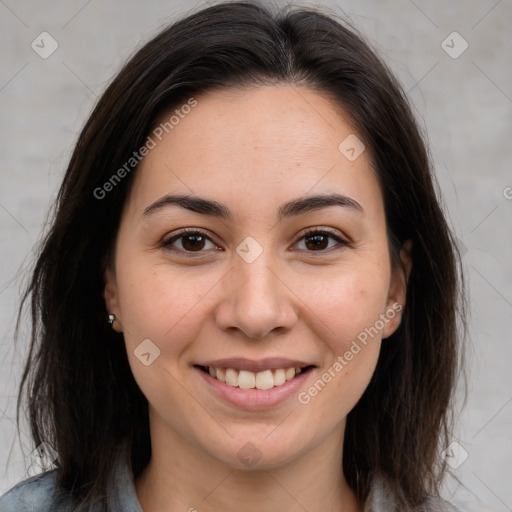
248,296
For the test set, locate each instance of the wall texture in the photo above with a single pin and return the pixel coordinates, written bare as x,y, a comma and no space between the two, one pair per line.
453,59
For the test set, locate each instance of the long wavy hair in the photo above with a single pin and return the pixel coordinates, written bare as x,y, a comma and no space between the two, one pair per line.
81,395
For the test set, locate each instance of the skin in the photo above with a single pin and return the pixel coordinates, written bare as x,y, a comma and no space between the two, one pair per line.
252,150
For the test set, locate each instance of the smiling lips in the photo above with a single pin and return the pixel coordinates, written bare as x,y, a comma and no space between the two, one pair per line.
247,374
254,385
244,379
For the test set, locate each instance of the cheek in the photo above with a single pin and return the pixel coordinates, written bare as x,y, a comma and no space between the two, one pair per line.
347,310
167,308
160,303
347,303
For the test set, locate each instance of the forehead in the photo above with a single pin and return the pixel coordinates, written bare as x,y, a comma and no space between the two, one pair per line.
257,145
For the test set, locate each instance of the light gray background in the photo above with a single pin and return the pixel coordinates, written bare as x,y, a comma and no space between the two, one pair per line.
465,104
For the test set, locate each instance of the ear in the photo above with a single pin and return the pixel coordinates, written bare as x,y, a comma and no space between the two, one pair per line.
111,296
398,291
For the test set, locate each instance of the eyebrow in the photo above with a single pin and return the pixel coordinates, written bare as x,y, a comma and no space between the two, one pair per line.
215,209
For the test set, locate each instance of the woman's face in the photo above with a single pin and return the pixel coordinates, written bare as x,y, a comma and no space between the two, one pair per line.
253,291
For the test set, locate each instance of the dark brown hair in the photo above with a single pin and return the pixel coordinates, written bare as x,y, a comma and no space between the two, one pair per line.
82,397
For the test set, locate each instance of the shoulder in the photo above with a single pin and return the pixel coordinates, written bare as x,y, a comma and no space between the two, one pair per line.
35,494
436,504
384,498
41,493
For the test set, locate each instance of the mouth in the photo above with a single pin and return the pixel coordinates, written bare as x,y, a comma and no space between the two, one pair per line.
263,379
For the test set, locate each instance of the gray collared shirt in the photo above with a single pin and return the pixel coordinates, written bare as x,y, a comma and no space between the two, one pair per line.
39,494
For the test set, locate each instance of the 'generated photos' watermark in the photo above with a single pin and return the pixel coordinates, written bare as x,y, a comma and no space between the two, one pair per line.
152,140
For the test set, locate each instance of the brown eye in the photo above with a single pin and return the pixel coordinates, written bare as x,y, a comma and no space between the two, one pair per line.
193,242
318,241
188,241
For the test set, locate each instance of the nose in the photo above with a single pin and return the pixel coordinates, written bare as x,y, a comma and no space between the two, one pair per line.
255,300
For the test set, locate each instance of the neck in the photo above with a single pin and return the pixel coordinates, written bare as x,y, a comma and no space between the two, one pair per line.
182,476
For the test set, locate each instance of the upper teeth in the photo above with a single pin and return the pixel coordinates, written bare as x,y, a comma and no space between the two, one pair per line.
249,380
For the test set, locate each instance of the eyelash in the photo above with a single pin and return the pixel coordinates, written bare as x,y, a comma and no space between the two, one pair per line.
308,233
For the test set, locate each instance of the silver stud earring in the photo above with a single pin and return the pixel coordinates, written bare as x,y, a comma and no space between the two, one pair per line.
111,319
